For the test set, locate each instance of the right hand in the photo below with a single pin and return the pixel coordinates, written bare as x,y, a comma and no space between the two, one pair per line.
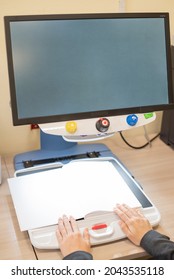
132,222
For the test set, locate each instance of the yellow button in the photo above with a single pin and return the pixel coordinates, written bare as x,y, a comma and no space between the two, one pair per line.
71,127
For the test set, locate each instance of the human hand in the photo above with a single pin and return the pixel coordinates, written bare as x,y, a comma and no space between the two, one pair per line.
132,222
70,238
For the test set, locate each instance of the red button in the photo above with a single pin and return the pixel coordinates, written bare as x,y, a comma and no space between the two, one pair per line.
104,122
99,226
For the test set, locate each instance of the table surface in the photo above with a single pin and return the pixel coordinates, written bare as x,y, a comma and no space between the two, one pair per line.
152,167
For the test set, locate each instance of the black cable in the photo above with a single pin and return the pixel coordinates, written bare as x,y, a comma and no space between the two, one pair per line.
140,147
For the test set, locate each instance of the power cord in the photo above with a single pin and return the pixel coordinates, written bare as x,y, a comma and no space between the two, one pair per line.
143,146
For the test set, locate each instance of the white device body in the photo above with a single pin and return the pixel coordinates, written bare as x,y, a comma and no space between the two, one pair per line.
86,129
103,225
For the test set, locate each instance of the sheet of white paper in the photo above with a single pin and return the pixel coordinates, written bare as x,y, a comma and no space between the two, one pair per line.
76,189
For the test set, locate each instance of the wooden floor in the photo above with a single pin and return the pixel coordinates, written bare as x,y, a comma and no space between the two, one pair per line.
153,168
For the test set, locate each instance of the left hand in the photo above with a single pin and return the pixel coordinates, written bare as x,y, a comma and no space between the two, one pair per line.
70,238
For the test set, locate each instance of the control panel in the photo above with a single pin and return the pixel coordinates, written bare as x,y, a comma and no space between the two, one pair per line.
88,129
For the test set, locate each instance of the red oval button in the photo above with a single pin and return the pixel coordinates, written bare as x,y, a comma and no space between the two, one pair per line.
99,226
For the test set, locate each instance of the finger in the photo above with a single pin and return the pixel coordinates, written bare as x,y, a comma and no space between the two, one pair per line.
124,227
74,224
139,213
61,227
59,235
67,224
122,215
134,212
86,235
127,210
130,212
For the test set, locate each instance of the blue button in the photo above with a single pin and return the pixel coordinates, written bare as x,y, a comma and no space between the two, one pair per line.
132,120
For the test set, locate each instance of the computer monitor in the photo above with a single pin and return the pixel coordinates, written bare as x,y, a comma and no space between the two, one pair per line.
81,69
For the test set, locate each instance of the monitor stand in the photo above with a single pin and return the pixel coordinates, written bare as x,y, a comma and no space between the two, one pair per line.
55,150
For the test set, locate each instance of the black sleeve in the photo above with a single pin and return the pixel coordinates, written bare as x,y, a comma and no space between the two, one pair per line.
79,255
157,245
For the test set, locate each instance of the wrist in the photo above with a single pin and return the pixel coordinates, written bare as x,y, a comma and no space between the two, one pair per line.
79,255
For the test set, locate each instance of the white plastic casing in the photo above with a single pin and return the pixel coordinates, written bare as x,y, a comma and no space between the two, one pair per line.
86,128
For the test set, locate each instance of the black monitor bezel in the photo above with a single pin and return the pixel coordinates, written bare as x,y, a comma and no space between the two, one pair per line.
85,115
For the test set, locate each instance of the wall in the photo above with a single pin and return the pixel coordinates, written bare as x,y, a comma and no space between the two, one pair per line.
20,139
152,6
